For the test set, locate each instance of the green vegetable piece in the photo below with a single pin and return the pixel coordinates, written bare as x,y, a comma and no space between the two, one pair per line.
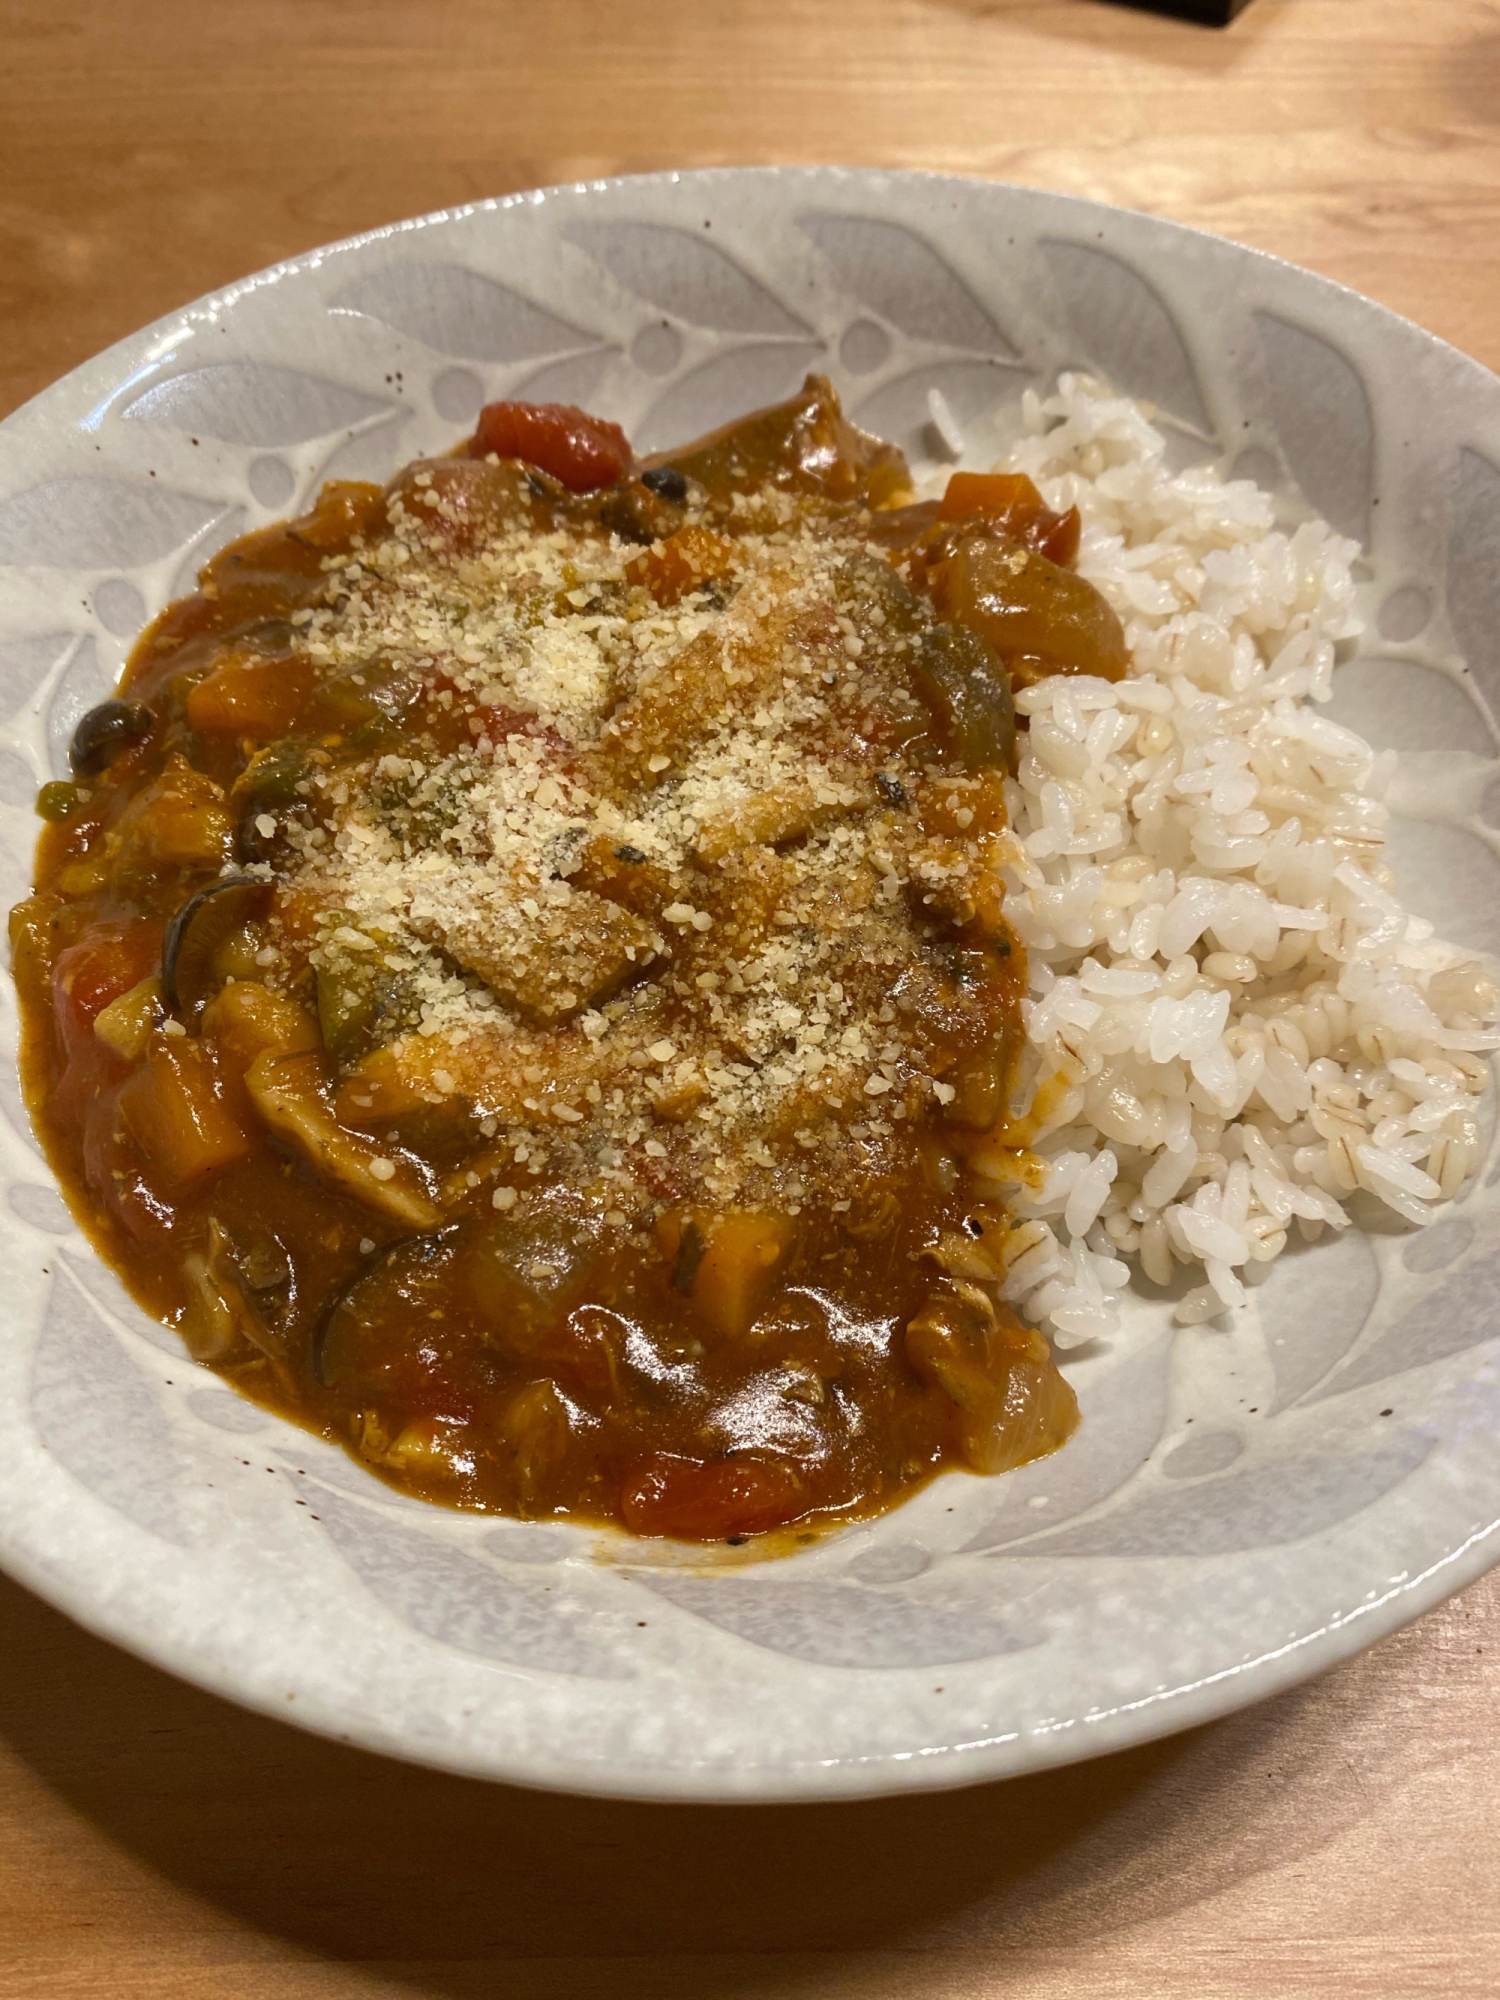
57,800
273,774
360,1010
962,681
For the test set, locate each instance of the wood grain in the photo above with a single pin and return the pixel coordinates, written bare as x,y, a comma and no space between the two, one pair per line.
152,149
156,1844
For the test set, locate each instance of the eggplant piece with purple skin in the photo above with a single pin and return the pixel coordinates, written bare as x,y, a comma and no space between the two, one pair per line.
205,921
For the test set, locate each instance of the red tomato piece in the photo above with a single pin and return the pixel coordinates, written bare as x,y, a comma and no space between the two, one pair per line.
116,1176
709,1500
105,963
580,451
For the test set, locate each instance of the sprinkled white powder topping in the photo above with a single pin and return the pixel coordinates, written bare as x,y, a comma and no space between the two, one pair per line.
616,876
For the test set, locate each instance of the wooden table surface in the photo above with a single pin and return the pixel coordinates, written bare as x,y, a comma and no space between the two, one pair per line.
157,1843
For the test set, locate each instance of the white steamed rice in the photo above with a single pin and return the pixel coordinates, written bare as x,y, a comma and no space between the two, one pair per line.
1233,1023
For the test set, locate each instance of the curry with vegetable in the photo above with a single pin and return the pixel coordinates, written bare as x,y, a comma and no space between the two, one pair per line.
519,973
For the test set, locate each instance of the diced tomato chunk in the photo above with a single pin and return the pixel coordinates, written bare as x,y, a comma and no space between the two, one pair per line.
580,451
709,1500
103,964
117,1177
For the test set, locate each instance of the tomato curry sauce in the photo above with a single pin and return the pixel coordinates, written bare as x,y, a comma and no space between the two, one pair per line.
520,971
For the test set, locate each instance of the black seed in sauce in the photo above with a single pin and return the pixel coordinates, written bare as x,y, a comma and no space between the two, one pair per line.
666,482
106,733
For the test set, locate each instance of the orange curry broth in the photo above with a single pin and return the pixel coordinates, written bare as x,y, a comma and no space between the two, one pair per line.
873,1335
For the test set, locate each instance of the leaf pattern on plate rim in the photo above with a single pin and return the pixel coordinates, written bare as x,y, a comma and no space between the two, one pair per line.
26,662
373,453
1405,705
900,276
1455,1315
253,403
840,1623
223,1410
459,312
18,783
119,606
681,272
271,480
98,1416
11,1104
1127,331
457,395
1451,874
890,1562
571,380
93,1276
215,537
461,1601
91,521
1439,1244
40,1207
729,382
1314,1304
1203,1454
899,409
1324,423
1474,569
80,686
1267,1505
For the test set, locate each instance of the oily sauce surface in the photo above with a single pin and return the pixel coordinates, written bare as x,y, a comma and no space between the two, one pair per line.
571,1175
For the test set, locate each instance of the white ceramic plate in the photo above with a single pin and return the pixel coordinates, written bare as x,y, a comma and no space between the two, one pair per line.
1240,1508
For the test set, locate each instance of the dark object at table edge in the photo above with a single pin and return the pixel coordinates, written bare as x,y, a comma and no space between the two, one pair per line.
1210,13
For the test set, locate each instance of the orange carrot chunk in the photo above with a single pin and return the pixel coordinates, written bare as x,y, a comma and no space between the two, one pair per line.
251,694
675,568
178,1112
1012,503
